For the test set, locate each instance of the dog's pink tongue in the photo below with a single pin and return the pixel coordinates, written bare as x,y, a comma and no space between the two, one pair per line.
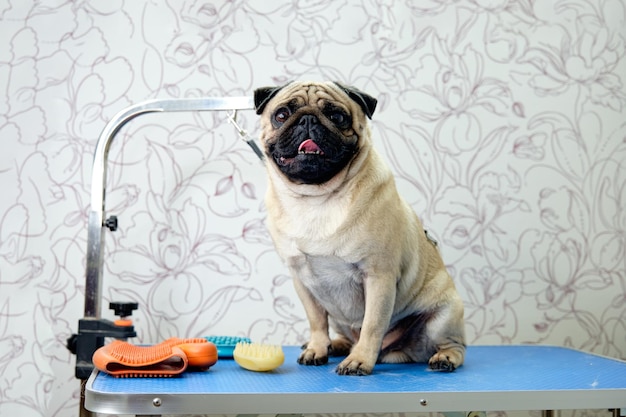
308,146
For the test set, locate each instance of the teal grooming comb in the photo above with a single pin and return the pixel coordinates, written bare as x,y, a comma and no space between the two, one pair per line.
226,344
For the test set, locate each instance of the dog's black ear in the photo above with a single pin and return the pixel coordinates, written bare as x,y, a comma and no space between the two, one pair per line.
364,100
263,95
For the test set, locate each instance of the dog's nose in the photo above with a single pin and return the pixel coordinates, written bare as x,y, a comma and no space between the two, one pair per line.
308,120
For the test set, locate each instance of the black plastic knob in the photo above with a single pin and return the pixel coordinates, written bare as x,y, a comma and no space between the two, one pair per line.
72,343
123,308
111,223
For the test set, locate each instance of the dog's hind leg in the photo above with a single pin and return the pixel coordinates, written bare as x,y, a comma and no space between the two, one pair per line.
340,346
446,332
397,356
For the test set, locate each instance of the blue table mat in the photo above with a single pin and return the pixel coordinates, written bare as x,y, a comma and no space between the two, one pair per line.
486,368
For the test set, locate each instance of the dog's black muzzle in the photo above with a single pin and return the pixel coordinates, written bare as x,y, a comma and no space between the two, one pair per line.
308,152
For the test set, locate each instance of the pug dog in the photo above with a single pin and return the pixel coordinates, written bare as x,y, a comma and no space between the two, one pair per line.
361,262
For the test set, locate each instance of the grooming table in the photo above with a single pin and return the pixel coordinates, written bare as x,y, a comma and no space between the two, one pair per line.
492,378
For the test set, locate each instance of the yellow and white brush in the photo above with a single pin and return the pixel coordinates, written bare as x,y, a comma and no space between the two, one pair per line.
258,357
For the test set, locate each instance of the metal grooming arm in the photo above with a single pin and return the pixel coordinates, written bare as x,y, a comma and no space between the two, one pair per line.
96,225
92,329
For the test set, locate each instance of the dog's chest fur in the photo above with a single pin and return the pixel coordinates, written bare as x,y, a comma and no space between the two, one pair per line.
337,285
317,247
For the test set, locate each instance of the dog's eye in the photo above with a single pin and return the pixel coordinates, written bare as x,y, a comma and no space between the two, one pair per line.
339,118
282,115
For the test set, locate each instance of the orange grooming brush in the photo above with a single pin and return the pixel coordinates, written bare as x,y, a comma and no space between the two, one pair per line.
168,358
201,353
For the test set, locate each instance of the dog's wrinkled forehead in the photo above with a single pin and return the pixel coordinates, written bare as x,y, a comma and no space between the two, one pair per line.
315,95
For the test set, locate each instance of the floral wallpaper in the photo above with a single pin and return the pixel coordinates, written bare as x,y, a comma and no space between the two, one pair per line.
504,122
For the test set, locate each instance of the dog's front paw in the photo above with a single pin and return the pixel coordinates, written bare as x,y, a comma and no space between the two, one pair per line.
352,365
312,357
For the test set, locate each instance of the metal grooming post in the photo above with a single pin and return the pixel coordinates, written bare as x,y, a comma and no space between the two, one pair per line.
92,329
96,225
